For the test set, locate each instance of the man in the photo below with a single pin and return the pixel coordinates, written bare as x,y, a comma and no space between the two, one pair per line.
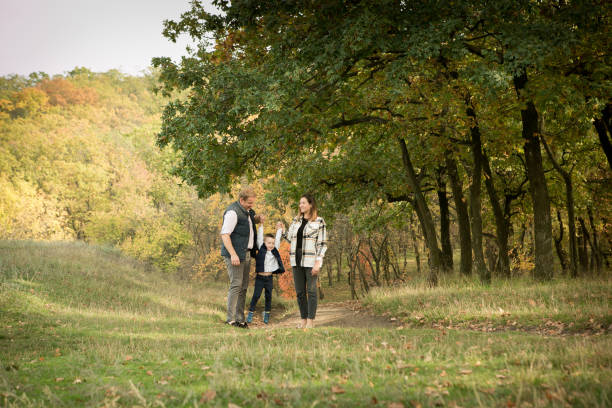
238,246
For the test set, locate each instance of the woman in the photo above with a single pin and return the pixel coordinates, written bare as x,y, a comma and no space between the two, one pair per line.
307,236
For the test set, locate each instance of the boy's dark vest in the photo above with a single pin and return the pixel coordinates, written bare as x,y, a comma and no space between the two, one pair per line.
261,257
240,235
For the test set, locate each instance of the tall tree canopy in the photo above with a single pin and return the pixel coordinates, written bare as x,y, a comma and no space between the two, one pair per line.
372,100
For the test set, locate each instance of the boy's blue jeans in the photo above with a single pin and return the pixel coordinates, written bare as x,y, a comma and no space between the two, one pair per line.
261,283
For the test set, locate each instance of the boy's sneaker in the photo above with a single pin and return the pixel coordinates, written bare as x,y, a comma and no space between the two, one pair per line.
249,317
242,325
266,317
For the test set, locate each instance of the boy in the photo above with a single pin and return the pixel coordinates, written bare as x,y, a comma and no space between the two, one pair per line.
267,263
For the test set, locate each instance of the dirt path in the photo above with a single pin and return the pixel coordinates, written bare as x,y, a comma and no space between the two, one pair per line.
344,314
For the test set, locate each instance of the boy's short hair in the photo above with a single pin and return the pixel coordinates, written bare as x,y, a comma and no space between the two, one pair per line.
269,236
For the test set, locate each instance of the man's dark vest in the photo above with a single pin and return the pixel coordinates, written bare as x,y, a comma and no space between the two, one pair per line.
261,257
240,235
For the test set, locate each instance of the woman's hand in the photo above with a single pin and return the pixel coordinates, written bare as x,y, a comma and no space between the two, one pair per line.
280,225
316,268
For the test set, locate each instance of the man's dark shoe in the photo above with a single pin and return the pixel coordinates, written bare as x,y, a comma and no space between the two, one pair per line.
242,325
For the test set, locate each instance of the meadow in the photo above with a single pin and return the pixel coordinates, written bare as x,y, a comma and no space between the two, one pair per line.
85,326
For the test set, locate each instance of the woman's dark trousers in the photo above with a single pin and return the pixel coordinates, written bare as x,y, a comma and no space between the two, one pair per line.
305,284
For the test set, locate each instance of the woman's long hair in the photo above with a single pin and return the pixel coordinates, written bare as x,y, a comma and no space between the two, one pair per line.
313,207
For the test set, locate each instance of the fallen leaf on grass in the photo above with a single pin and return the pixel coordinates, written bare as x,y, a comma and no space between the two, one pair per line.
208,396
337,390
128,358
204,368
77,381
230,405
500,376
465,372
58,379
149,372
395,405
443,373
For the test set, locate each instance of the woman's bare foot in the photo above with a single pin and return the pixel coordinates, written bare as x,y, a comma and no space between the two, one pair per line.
310,324
302,324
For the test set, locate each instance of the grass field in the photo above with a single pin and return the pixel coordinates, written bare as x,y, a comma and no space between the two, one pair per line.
84,326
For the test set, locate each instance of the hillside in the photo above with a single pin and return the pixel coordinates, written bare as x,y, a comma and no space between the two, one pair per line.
78,161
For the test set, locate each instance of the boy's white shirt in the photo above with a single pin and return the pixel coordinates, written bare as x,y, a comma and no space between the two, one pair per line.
270,263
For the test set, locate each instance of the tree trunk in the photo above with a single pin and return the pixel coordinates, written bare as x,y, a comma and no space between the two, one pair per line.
352,264
415,244
569,200
424,215
463,219
604,131
596,254
559,245
447,250
475,199
537,186
583,257
502,224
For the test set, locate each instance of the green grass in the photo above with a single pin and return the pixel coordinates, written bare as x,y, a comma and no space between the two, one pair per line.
83,326
562,306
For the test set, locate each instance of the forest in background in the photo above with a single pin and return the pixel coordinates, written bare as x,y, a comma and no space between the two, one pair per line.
481,130
78,161
460,144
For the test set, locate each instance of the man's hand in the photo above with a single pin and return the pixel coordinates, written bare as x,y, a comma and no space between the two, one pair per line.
235,260
280,225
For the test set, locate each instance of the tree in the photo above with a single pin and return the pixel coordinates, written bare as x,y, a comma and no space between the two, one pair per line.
348,96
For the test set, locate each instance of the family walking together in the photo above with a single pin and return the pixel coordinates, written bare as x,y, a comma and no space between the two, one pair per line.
307,236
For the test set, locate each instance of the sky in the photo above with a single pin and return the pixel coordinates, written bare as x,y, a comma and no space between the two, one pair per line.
56,36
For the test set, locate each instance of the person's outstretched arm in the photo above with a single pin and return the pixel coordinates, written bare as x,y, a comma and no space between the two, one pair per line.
260,236
277,239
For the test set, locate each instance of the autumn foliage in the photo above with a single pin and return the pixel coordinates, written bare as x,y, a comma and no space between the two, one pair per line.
285,280
63,93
